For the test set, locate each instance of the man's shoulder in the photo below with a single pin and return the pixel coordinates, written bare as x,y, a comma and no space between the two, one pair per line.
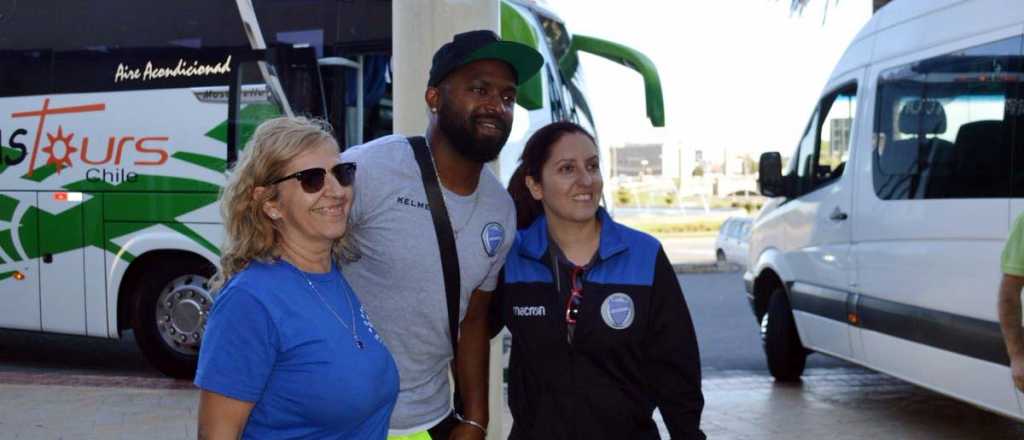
386,149
492,191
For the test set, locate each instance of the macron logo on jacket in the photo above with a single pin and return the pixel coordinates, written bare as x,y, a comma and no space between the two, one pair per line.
529,311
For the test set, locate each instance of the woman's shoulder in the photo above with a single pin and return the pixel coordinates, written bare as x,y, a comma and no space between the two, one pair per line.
259,281
637,237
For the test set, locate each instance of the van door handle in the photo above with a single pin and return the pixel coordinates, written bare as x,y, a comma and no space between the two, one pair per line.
837,215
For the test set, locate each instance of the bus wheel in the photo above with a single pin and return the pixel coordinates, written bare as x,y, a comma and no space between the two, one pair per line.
170,315
782,347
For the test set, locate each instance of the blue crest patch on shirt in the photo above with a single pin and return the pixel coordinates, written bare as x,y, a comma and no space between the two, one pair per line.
618,311
493,235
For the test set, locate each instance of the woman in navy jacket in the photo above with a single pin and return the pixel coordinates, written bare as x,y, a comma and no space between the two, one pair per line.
601,333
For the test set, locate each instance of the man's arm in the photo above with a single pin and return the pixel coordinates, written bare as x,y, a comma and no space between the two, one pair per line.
471,365
1010,322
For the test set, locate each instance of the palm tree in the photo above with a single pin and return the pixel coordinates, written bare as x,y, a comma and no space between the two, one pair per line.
798,5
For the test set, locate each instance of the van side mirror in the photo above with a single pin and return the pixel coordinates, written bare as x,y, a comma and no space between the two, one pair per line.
770,181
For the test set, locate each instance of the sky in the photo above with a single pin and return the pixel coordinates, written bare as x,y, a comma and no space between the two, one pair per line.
740,76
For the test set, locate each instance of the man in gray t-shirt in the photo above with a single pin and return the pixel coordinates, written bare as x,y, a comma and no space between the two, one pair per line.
397,274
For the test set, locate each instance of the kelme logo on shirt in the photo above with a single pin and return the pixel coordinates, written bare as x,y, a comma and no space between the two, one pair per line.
617,310
492,235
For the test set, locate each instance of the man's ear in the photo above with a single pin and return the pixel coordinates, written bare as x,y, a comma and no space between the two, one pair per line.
433,98
535,189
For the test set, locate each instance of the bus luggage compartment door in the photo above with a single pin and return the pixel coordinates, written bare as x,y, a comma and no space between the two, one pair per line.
19,268
61,262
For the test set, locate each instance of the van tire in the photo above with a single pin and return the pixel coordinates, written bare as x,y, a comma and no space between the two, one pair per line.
720,257
189,276
785,353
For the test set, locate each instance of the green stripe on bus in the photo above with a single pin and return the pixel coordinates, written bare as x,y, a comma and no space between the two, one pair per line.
7,243
7,207
153,207
6,275
40,174
208,162
188,232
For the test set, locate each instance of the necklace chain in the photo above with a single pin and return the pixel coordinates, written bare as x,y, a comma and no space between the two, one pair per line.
447,203
355,336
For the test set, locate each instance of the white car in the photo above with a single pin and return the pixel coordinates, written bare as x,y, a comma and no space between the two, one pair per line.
882,246
732,244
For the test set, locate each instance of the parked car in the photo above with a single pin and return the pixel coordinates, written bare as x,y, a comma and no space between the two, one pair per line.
733,240
882,245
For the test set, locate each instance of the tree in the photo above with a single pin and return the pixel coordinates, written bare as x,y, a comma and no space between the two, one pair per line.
797,6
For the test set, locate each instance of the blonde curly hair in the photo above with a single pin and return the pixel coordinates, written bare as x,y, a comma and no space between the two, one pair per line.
250,235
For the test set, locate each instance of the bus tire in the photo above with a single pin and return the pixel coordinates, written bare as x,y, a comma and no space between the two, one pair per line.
783,350
172,301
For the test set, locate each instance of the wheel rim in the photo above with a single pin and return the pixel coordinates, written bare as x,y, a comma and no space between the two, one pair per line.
764,327
181,312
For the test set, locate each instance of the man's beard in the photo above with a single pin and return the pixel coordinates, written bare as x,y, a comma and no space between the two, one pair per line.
462,133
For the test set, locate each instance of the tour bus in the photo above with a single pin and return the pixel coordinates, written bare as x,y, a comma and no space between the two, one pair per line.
119,123
882,244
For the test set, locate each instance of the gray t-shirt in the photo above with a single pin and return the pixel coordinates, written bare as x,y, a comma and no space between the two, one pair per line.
398,276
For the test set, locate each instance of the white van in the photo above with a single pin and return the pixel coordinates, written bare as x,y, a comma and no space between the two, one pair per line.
883,243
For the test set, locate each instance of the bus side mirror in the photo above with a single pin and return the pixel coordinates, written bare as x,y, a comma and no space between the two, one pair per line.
770,181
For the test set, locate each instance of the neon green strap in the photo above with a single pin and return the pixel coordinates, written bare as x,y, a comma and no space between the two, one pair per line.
422,435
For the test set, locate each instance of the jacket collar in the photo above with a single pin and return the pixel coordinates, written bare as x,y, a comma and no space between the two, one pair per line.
535,238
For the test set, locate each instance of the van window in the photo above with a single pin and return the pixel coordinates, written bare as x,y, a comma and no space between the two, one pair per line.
943,126
825,147
834,140
804,157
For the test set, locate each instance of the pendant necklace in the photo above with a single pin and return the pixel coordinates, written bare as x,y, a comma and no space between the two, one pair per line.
355,336
447,203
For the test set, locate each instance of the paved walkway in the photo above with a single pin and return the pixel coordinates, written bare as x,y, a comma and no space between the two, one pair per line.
832,404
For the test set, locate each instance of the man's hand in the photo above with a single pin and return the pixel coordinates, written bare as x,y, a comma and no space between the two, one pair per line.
463,431
1010,322
1017,368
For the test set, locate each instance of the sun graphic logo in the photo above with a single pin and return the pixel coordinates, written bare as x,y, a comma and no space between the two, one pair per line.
53,149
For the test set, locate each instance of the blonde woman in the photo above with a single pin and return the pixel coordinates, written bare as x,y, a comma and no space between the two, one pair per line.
288,350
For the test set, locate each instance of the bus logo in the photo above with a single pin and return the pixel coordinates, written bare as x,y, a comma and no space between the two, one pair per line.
60,145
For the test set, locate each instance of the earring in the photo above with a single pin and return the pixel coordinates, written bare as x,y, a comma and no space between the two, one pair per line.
274,216
433,110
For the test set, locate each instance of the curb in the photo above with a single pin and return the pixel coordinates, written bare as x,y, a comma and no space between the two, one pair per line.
710,267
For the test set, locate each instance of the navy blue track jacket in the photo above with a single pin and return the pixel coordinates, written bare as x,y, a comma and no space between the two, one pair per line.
633,348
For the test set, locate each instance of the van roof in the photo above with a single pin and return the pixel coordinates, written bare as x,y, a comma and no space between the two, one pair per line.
903,27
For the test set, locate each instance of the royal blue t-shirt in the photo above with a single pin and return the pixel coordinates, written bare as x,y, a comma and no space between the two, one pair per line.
272,341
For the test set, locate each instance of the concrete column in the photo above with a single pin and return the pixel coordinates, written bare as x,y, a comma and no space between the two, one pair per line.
419,28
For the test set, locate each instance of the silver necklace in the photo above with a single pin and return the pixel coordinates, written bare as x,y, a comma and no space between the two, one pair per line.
447,203
355,336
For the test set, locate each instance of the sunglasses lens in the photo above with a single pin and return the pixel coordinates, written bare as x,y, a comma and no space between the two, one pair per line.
312,180
345,173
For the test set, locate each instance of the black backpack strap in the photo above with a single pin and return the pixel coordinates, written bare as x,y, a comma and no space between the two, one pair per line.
445,237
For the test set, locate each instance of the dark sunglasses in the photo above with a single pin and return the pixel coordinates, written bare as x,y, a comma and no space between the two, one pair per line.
572,306
312,180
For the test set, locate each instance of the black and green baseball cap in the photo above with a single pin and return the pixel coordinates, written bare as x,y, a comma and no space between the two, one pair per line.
484,45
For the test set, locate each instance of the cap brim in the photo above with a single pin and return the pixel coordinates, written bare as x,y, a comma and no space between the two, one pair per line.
524,60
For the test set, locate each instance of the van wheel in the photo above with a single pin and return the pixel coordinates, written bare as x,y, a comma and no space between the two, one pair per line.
720,257
171,306
782,347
